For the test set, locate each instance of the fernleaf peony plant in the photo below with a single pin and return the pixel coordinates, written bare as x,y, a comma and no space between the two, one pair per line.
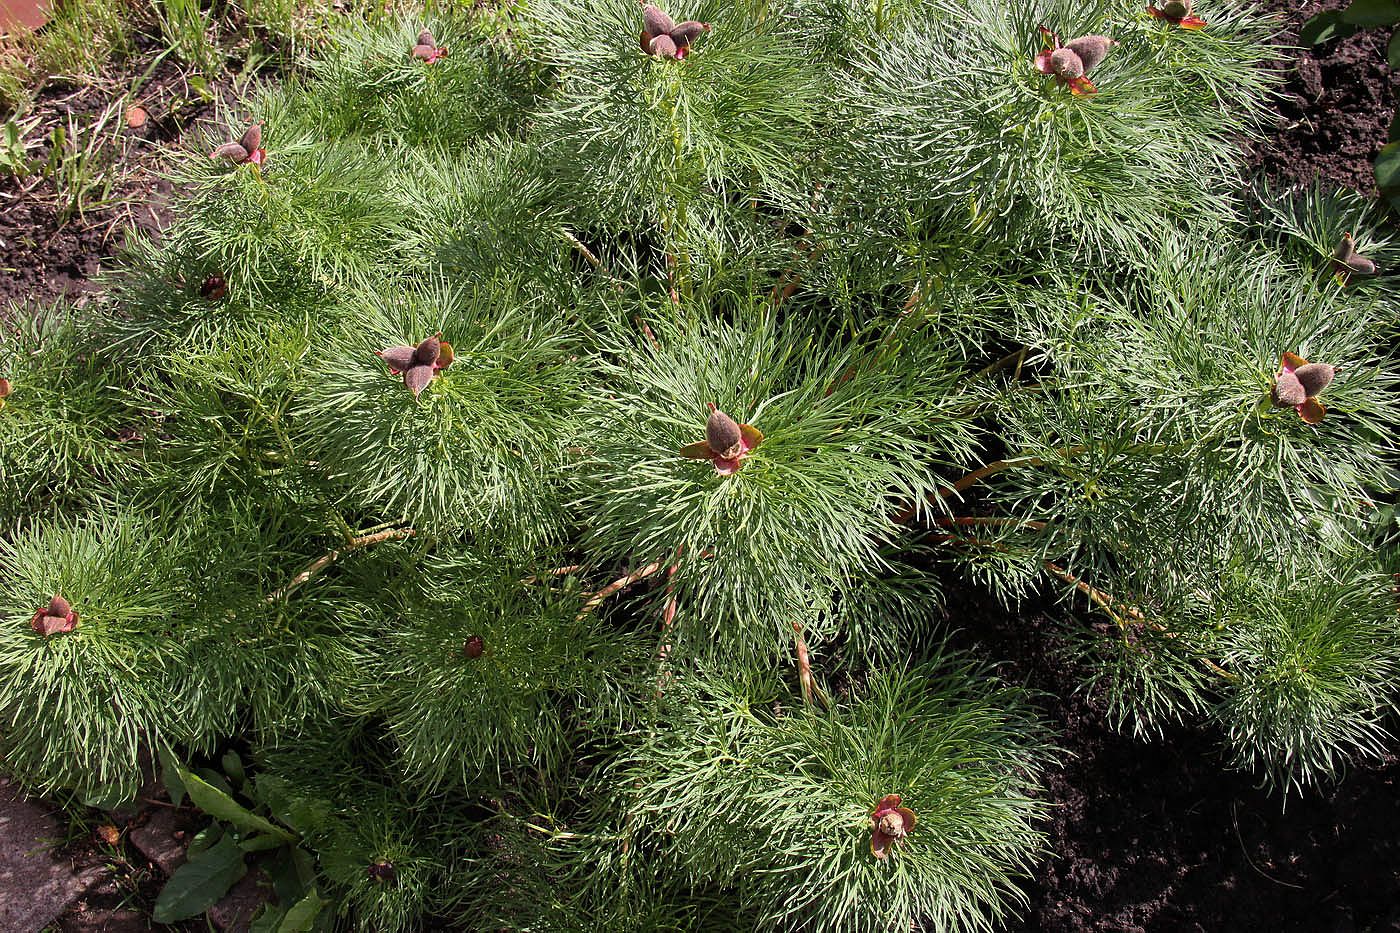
546,460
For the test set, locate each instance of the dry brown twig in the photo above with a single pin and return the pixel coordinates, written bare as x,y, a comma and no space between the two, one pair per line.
330,557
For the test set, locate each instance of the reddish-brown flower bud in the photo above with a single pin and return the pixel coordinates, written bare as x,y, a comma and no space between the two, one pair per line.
1314,377
1066,63
1348,260
889,824
1177,9
213,288
382,871
726,442
248,148
655,21
418,364
428,351
663,37
398,358
686,33
234,152
5,390
1288,390
426,48
1297,384
252,138
664,46
417,377
474,647
723,435
57,618
1091,50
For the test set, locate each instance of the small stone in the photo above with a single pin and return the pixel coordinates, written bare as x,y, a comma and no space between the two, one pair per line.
136,116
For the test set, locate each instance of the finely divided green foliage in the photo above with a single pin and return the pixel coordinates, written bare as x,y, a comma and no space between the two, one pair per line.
780,804
1156,447
77,707
807,514
1315,660
61,445
985,326
949,113
368,85
316,212
542,673
479,448
636,138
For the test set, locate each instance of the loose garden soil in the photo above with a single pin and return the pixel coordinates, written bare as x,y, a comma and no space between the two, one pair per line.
1158,836
1147,836
45,256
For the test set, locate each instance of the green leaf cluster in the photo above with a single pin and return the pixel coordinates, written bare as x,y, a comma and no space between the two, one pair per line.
498,656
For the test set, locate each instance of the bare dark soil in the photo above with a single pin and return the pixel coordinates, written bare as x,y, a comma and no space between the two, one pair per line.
53,242
1336,105
1160,837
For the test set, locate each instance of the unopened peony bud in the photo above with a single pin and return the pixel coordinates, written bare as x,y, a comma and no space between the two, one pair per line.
664,46
1066,63
1091,50
1314,377
889,824
686,32
474,647
1288,390
57,618
656,21
429,350
382,871
723,435
213,288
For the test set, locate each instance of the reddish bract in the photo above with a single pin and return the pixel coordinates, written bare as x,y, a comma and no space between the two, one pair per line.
890,823
726,443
